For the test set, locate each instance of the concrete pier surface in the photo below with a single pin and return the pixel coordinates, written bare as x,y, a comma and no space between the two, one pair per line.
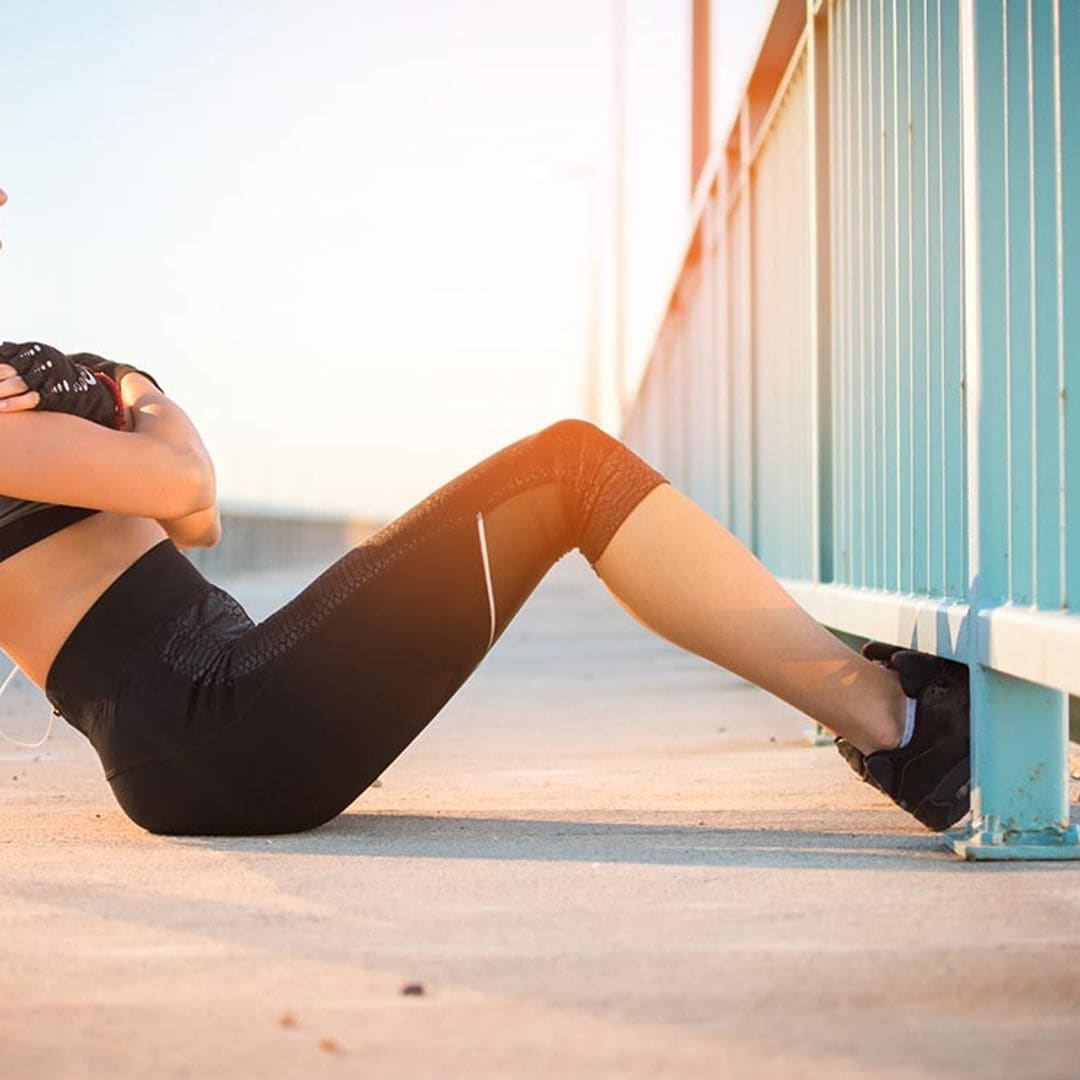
605,858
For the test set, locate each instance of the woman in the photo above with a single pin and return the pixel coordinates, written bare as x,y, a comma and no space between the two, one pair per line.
206,723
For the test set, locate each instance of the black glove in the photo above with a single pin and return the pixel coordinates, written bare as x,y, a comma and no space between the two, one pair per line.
65,385
115,371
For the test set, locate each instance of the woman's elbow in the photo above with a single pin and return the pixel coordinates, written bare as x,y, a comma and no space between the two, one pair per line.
206,483
208,538
196,487
212,536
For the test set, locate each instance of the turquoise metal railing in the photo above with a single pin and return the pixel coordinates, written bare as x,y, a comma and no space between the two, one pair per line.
869,366
899,469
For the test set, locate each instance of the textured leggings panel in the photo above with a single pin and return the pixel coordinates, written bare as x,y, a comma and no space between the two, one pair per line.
225,726
599,481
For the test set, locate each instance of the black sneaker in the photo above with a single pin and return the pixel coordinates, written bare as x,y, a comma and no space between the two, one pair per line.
931,776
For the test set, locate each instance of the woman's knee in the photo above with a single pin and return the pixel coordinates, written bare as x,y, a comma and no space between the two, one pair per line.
575,432
574,450
603,480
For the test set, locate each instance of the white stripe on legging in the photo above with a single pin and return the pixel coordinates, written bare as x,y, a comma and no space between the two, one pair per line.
487,575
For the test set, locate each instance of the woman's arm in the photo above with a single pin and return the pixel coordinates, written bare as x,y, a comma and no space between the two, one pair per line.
159,469
199,529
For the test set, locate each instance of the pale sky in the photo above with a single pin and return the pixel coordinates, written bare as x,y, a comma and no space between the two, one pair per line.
353,238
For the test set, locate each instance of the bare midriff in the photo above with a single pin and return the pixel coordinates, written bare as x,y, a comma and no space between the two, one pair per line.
47,588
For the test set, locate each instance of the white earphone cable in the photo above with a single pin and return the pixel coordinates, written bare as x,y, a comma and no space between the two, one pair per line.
18,742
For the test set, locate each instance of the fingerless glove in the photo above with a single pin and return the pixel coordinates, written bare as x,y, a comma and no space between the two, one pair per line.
65,385
113,370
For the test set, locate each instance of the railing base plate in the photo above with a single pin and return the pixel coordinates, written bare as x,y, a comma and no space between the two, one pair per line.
1035,844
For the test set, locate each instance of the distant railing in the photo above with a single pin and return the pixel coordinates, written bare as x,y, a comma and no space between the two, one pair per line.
258,540
869,365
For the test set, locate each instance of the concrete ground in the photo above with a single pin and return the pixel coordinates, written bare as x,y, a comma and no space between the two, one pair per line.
604,859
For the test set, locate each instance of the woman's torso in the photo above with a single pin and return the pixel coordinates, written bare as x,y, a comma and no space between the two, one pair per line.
46,589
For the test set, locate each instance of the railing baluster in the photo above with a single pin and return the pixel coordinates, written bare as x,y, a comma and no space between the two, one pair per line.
1067,74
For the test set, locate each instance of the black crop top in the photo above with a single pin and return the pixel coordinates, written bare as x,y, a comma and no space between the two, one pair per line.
23,523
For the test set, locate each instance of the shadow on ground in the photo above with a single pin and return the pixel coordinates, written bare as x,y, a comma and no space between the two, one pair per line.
762,844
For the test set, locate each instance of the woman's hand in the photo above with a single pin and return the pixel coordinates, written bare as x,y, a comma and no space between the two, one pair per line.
15,395
64,384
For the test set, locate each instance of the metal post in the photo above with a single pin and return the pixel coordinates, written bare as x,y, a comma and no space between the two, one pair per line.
593,374
818,185
743,508
817,195
700,90
619,126
1019,730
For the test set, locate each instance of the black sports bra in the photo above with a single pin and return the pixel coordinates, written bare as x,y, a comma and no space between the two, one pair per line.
23,523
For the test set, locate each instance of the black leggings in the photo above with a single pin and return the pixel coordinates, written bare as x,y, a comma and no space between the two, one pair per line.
207,723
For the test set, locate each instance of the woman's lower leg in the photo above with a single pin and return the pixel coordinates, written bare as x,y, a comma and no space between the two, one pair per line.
680,573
